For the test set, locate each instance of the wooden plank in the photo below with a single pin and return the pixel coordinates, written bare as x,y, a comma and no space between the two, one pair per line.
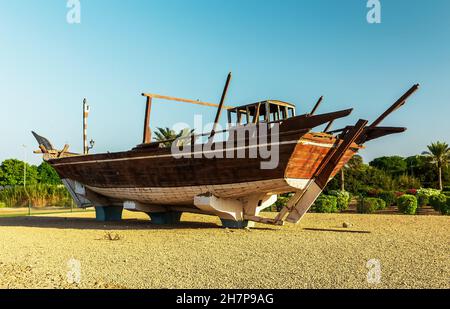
169,98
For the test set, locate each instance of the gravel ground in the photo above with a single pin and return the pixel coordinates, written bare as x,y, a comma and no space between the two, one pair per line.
36,252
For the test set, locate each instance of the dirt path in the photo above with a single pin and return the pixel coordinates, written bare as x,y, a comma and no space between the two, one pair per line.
44,251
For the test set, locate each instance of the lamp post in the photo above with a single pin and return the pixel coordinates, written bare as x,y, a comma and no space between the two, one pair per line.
25,177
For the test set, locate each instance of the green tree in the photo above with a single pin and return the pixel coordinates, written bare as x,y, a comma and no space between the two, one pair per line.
419,167
355,162
439,154
394,165
12,173
48,175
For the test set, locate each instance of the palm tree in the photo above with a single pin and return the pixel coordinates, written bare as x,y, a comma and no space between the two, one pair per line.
166,136
439,153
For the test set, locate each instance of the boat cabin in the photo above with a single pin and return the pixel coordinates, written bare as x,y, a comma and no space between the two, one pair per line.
264,111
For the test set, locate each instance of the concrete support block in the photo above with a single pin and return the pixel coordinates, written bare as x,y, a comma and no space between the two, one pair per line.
161,218
232,224
108,213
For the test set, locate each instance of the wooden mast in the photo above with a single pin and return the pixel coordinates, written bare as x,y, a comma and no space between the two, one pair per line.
147,131
400,102
317,105
219,109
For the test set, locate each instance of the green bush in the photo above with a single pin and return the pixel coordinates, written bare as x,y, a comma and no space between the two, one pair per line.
2,205
445,208
368,205
388,197
423,200
326,204
438,201
279,204
407,204
447,193
424,195
381,204
343,199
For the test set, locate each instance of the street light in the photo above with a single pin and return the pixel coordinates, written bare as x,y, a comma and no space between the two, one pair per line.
25,177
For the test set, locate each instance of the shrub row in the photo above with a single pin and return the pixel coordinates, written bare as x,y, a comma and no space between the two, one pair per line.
441,203
368,205
407,204
326,204
335,201
423,196
342,197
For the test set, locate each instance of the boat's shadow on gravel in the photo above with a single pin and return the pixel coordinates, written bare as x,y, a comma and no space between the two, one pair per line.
91,224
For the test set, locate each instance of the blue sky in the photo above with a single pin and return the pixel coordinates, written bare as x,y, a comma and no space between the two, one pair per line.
288,50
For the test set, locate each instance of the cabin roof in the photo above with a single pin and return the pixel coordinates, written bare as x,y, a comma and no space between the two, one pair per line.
274,102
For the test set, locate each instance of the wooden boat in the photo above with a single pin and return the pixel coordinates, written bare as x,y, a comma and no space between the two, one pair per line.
223,177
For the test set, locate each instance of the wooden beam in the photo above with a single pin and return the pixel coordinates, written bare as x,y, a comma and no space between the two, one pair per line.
219,108
256,116
267,116
147,131
169,98
317,105
328,127
399,103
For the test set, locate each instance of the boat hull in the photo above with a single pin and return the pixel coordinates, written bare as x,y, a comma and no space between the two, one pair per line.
156,177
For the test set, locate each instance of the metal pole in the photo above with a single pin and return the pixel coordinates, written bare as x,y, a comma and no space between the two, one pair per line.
25,178
85,117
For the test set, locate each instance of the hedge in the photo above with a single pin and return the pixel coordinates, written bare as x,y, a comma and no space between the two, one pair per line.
424,195
407,204
279,204
445,208
388,197
368,205
438,201
326,204
343,199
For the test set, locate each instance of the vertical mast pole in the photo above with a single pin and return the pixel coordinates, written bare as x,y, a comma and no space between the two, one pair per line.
147,131
85,117
219,109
